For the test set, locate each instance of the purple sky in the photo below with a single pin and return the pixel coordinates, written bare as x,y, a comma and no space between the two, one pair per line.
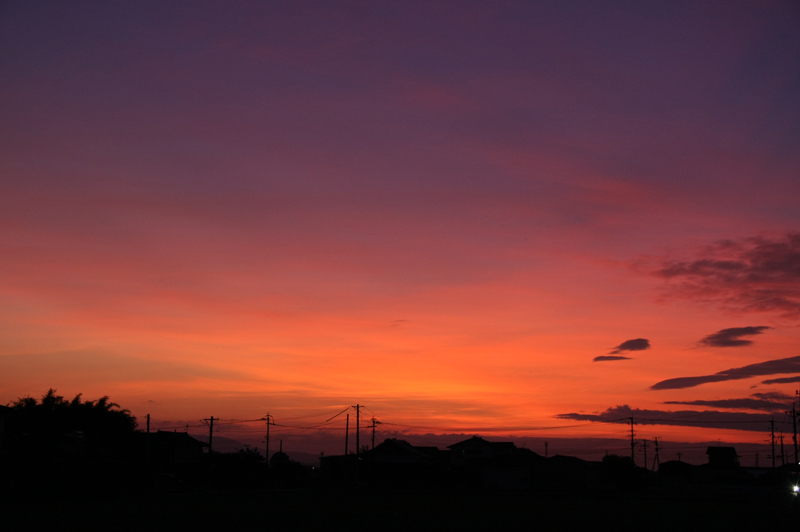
442,210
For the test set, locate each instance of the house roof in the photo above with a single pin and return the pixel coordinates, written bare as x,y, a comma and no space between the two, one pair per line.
477,441
721,451
395,446
177,438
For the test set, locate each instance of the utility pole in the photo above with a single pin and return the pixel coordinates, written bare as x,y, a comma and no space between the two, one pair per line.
358,429
210,423
374,422
347,436
148,442
772,433
633,444
270,421
679,458
644,446
783,453
655,460
545,449
793,413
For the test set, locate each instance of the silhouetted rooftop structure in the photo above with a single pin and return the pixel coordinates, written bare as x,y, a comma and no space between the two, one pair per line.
175,447
396,451
476,448
722,457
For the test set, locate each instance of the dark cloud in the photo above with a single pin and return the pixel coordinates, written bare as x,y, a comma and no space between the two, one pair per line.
769,402
754,274
732,337
770,367
637,344
609,358
777,397
782,380
682,418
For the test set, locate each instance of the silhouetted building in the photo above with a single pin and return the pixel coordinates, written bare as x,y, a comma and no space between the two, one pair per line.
476,449
170,448
394,451
722,457
675,472
564,473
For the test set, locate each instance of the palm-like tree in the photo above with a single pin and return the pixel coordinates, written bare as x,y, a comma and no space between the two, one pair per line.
55,415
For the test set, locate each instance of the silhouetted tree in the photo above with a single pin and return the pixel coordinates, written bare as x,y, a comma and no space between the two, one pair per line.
279,460
54,444
54,415
622,471
250,455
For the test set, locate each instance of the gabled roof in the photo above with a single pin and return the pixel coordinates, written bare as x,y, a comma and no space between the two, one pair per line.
475,441
721,451
501,447
177,438
395,446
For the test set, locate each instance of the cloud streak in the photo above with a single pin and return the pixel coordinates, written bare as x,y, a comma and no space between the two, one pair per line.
732,337
681,418
637,344
768,402
757,274
782,380
770,367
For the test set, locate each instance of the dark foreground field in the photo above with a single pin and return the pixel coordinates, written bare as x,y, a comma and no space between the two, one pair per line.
365,509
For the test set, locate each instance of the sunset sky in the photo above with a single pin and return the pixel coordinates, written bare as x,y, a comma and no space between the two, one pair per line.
446,211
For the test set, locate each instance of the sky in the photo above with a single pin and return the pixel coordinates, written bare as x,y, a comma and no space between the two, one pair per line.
513,219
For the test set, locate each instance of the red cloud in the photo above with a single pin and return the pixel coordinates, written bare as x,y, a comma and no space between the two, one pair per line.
754,274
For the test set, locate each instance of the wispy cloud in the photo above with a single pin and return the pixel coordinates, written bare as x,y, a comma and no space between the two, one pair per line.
637,344
770,367
682,418
782,380
753,274
732,337
769,402
609,358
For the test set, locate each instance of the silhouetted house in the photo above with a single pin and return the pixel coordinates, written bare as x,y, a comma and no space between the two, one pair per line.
437,455
525,457
394,451
4,410
675,472
171,448
722,457
564,473
497,465
477,450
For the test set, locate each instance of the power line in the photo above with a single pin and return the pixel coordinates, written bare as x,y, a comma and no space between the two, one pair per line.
337,415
